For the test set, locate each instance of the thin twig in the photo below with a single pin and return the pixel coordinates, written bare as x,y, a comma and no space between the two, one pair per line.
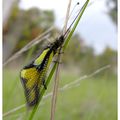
56,84
67,16
35,41
55,90
65,87
14,110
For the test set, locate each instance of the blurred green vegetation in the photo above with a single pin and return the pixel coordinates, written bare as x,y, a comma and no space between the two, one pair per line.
113,10
94,98
23,26
84,58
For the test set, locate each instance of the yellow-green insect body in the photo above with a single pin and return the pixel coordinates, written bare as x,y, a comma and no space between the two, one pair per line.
33,75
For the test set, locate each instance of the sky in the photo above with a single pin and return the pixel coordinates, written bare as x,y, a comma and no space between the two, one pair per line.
95,27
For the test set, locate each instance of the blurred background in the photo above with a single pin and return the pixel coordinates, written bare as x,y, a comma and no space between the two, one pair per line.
93,45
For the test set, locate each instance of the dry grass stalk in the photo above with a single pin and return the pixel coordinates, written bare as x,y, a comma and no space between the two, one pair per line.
37,40
56,84
55,91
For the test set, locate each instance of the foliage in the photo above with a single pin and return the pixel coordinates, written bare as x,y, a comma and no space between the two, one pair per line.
109,56
84,58
23,26
113,10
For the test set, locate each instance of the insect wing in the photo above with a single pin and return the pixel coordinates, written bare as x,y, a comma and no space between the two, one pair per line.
45,68
30,80
41,57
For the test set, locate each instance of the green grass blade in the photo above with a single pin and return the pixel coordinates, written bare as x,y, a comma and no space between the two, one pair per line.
75,25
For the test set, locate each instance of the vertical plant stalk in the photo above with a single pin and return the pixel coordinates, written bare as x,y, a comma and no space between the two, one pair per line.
56,84
55,90
75,25
67,16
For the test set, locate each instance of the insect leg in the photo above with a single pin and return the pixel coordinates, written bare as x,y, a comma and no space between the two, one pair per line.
43,83
55,61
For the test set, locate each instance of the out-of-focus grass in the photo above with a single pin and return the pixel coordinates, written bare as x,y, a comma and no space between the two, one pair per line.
93,99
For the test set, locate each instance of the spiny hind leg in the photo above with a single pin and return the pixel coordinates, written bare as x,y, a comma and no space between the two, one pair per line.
55,61
58,53
43,83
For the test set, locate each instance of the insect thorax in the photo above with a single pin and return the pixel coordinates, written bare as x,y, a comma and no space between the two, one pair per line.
58,43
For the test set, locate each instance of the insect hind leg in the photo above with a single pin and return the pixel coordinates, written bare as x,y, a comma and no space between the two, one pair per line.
43,83
55,61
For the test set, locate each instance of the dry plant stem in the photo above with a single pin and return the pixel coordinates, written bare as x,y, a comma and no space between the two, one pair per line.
65,87
67,16
14,110
55,90
29,45
56,84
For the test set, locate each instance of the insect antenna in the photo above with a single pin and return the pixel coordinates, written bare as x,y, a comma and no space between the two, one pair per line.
73,9
67,31
68,15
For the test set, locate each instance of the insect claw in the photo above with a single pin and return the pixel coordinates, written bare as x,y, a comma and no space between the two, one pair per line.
61,53
45,87
57,62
